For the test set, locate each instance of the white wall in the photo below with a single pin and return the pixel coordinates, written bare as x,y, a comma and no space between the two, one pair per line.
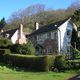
63,38
15,37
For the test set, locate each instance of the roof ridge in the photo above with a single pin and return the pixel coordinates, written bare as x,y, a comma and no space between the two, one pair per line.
49,27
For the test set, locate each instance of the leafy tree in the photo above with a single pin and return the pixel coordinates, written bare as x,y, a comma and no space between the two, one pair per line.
75,53
76,20
76,17
75,5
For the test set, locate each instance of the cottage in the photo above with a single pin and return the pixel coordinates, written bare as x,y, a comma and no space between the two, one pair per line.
54,38
17,35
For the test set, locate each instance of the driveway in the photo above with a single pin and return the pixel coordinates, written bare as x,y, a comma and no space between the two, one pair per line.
75,78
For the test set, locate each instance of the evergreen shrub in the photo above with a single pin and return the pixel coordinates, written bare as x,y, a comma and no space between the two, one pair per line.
23,48
60,63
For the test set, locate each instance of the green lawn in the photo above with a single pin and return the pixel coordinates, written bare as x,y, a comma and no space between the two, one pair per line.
9,74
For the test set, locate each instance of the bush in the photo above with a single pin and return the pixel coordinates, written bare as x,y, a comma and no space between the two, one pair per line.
60,63
75,53
37,63
74,64
3,52
23,49
4,43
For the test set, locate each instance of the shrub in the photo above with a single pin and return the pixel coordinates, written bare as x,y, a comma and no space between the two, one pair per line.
3,52
4,43
30,48
38,63
23,49
7,51
75,53
60,63
74,64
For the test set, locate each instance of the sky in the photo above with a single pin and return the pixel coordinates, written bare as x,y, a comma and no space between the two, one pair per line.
7,7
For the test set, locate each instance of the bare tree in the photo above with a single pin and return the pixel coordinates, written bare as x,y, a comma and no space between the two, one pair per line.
74,6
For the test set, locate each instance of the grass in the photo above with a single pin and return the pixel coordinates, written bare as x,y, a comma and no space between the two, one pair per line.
12,74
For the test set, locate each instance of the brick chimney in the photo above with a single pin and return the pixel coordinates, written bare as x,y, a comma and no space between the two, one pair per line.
21,30
22,38
37,25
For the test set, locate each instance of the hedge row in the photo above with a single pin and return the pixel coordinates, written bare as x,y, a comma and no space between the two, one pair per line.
37,63
3,52
74,64
31,62
40,63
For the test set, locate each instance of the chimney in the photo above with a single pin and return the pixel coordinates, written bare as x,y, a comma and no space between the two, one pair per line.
21,30
37,25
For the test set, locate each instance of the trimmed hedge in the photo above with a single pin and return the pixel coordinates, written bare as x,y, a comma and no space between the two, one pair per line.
74,64
3,52
37,63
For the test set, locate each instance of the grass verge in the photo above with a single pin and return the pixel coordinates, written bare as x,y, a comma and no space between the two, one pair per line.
12,74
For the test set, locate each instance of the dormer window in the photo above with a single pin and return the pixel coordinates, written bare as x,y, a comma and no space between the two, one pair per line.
7,35
55,25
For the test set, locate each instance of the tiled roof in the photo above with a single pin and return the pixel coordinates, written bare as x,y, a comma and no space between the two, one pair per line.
10,32
49,27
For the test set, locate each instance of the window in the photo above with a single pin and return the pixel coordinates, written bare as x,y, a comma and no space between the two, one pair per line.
68,32
48,50
40,36
49,35
35,37
7,35
55,36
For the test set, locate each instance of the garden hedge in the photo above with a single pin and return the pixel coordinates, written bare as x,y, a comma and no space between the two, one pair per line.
3,52
37,63
74,64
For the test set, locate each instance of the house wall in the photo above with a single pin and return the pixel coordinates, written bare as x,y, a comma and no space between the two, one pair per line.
59,40
64,37
48,40
15,37
22,40
48,35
